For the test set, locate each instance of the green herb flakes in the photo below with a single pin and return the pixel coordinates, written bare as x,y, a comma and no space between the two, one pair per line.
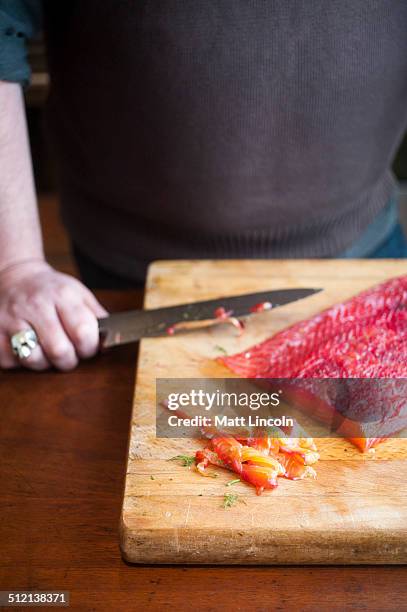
186,460
229,500
232,482
221,349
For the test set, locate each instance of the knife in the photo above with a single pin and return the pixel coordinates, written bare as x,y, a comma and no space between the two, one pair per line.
125,327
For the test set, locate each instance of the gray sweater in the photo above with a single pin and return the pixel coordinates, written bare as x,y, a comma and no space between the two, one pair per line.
236,128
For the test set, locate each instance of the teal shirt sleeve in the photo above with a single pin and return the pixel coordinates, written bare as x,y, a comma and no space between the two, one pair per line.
19,21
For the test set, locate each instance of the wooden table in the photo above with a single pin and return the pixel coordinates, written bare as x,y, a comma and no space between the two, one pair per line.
63,441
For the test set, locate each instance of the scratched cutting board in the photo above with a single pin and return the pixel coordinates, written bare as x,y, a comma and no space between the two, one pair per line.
356,509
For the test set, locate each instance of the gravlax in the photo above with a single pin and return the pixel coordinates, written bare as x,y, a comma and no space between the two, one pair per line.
364,337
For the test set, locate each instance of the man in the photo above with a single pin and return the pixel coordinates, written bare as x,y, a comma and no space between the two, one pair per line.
188,128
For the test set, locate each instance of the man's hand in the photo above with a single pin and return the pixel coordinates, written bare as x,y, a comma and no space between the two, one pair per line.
61,310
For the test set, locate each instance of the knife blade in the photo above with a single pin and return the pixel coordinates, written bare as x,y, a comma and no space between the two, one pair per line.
125,327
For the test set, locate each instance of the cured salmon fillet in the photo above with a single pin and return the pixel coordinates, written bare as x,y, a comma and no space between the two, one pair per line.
364,337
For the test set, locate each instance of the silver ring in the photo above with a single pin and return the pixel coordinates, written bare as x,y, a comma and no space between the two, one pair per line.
23,343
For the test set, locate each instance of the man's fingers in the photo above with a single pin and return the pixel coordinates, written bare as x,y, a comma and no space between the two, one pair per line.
56,345
81,326
98,310
36,361
7,358
61,310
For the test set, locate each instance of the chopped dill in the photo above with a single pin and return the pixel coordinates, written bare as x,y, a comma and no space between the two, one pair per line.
232,482
229,500
186,460
221,349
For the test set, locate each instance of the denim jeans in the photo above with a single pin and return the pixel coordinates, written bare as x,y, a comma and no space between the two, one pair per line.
395,246
96,277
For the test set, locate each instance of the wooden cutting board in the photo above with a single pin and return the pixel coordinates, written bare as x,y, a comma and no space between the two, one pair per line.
356,509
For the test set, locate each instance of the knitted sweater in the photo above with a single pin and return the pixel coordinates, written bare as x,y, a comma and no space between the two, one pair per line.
236,128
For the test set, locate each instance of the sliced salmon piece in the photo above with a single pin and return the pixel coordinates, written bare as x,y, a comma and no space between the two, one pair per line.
364,337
